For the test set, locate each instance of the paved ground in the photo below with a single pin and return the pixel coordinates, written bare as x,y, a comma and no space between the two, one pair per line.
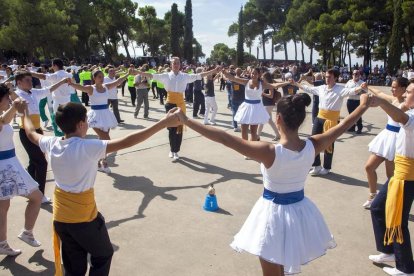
153,208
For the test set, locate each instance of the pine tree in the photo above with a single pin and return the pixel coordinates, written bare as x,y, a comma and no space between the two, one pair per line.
188,32
395,49
240,40
174,35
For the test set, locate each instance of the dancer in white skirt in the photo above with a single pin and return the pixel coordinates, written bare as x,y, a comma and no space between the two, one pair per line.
100,117
14,179
382,147
251,112
284,229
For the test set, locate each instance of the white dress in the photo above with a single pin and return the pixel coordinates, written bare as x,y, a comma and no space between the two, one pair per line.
101,118
383,144
252,113
14,179
290,235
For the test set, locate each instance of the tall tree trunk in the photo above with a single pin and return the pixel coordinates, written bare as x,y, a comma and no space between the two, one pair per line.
273,50
349,57
407,49
286,50
303,53
257,54
125,43
296,50
264,45
311,56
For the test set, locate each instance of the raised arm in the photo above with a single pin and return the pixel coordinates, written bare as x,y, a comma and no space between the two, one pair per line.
260,151
170,120
8,116
87,88
394,112
381,94
116,83
305,88
324,140
234,78
59,83
213,71
271,86
40,76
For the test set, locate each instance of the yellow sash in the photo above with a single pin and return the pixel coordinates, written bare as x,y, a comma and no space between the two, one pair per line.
331,119
404,171
177,99
71,208
35,118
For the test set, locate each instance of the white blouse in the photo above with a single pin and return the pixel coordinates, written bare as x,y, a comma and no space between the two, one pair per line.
176,82
330,99
405,138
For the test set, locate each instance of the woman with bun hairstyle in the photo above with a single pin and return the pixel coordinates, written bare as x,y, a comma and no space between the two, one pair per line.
283,215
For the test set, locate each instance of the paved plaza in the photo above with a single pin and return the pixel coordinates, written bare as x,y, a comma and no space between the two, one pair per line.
153,207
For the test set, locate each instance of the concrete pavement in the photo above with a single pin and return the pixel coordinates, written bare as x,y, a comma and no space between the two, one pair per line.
153,207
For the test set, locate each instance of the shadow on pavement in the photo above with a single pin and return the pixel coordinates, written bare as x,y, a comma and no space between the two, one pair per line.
9,263
148,189
348,180
226,175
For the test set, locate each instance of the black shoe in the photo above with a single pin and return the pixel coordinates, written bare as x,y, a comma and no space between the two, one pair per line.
359,131
121,121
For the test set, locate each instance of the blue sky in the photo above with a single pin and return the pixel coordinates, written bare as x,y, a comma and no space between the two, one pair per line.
211,19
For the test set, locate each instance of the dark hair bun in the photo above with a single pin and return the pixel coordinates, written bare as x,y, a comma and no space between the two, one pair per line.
301,100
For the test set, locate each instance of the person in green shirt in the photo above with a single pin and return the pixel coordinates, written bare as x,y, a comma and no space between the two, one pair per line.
161,88
131,86
153,83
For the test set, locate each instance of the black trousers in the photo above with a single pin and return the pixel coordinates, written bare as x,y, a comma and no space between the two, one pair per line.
199,103
79,239
222,84
189,94
154,88
85,98
403,252
315,107
162,93
327,160
37,162
123,88
133,93
114,103
174,137
352,105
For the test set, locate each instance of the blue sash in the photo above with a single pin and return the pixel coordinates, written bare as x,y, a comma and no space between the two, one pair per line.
393,128
283,199
100,106
252,101
7,154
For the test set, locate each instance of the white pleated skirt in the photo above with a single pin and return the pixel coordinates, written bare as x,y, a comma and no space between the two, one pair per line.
384,144
290,235
103,119
252,114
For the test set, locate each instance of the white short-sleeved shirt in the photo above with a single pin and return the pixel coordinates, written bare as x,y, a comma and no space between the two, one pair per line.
62,94
330,99
176,82
405,137
352,84
74,161
112,93
33,98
